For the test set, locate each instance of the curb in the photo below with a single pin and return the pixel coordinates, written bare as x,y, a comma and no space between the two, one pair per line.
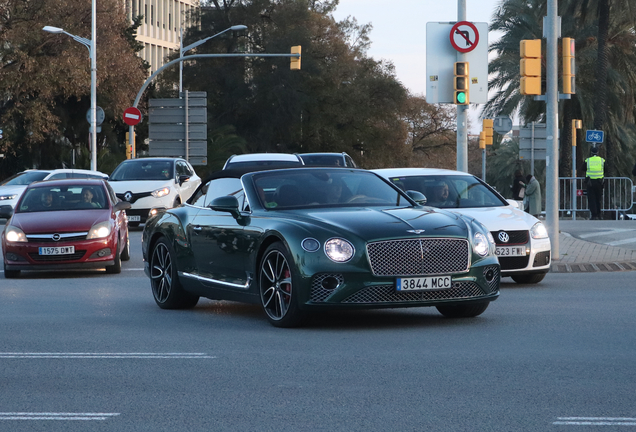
593,267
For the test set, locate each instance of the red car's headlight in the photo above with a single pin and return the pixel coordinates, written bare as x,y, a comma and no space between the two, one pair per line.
14,234
99,230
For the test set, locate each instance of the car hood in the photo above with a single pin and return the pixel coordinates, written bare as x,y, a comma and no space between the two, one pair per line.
138,186
500,218
9,190
370,223
59,221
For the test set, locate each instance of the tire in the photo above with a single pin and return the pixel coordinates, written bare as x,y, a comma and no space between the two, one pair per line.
469,310
10,274
125,254
115,268
164,279
276,286
528,278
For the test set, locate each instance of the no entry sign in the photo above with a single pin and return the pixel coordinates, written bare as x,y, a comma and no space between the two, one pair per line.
464,36
132,116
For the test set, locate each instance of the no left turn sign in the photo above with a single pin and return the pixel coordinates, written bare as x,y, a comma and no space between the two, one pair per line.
464,36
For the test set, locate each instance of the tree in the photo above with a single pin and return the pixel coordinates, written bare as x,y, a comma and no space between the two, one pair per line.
46,77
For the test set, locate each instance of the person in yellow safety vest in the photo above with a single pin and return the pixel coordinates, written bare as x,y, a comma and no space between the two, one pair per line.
594,174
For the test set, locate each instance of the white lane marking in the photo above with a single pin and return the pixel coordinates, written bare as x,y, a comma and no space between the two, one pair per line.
595,421
620,242
107,355
606,231
55,416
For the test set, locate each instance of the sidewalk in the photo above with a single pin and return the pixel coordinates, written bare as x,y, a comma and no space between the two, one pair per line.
576,255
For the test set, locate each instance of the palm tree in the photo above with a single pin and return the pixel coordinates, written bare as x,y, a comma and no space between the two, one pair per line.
522,19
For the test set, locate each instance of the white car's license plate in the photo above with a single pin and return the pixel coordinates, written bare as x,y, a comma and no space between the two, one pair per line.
134,218
424,283
506,251
57,250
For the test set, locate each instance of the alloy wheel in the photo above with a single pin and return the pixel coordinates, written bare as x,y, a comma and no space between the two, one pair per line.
276,285
161,273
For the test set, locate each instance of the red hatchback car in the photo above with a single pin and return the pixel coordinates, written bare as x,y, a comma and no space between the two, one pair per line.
66,224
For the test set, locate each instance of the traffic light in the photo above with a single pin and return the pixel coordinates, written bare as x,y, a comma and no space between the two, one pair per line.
568,75
482,140
487,127
530,67
462,96
129,148
295,61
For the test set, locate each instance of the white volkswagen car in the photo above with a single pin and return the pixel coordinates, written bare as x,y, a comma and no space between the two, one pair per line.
153,184
12,188
522,242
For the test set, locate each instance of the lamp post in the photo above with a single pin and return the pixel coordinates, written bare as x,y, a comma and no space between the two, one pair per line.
90,44
183,49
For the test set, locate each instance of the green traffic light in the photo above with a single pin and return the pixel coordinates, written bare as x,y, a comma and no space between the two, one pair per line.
461,97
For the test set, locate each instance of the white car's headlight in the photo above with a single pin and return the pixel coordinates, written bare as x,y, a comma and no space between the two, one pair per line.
339,250
161,192
99,230
14,234
8,197
481,246
539,231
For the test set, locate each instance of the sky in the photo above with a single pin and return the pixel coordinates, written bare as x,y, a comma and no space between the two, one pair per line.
399,33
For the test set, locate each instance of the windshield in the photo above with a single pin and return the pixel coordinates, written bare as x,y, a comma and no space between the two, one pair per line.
25,178
324,188
143,170
56,198
451,191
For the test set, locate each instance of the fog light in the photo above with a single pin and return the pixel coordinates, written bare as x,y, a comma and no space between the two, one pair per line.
12,257
490,275
101,253
330,283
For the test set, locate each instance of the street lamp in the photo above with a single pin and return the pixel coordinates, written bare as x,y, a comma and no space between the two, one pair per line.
90,44
183,49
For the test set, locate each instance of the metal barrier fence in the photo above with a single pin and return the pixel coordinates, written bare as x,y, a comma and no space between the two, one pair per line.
618,195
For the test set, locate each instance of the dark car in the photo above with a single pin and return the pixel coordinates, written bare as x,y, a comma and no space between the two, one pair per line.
328,159
66,224
305,239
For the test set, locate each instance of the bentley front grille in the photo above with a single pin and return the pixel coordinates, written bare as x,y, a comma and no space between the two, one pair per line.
412,257
388,294
323,285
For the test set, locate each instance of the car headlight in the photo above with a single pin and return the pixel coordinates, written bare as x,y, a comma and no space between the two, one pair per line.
160,192
539,231
99,230
481,246
339,250
14,234
8,197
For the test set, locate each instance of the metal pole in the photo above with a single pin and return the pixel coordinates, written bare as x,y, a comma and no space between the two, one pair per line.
552,110
483,164
94,87
180,63
187,141
573,170
532,150
462,110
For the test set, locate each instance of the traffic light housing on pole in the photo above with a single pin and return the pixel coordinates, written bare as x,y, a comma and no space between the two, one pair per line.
295,61
487,127
530,66
129,148
461,96
482,140
568,71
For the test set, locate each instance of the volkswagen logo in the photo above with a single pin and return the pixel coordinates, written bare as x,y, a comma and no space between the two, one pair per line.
128,196
56,237
504,237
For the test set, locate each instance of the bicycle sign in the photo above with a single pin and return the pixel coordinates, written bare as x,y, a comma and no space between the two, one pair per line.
594,136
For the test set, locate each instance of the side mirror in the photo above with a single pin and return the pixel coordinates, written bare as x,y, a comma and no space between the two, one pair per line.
122,205
513,203
6,211
183,178
227,204
416,196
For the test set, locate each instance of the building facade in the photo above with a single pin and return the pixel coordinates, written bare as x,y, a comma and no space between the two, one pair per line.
162,25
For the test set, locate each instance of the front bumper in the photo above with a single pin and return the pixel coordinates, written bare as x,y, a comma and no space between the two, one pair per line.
536,260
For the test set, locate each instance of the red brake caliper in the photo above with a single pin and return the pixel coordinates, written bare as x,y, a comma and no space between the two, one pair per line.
287,286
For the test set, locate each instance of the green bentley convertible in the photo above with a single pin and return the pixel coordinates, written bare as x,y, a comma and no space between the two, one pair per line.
301,240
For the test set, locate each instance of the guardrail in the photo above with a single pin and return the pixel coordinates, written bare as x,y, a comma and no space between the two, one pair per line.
618,195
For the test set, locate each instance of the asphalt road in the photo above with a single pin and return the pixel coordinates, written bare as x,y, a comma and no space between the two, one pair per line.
88,351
